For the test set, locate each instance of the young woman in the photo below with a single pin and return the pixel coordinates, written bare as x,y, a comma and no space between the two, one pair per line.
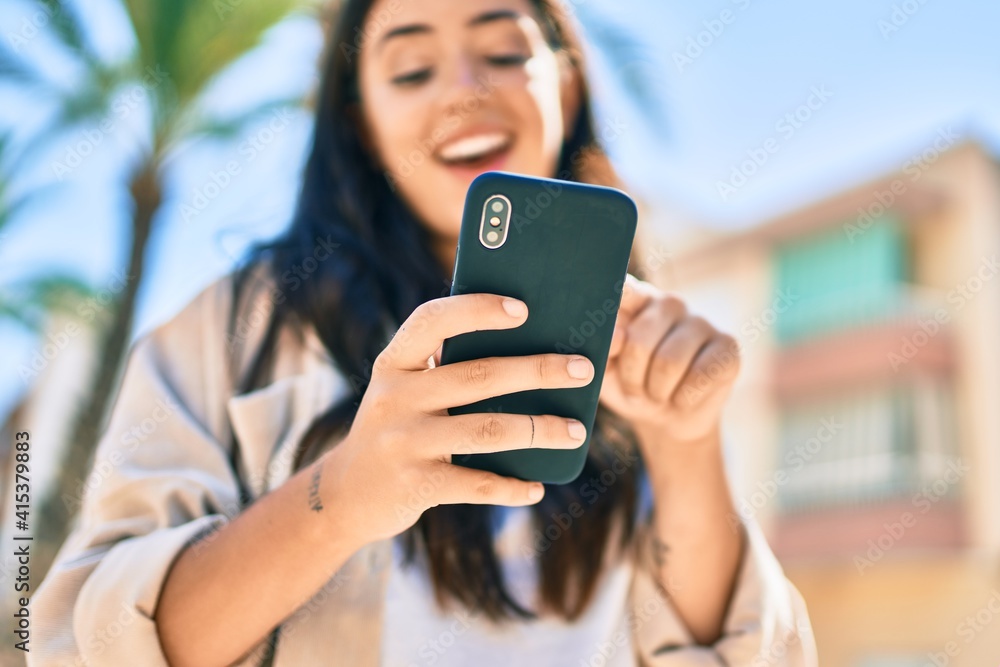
275,485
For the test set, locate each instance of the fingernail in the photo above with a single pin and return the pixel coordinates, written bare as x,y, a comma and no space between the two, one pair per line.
576,429
579,368
514,307
536,492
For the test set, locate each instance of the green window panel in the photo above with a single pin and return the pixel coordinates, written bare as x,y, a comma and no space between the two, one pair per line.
837,280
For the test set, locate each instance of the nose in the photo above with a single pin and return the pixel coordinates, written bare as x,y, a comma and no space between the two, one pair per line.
461,83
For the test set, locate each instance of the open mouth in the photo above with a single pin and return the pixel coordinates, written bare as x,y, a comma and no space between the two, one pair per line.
475,151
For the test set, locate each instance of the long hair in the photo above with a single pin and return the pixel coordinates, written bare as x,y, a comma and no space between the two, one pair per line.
383,269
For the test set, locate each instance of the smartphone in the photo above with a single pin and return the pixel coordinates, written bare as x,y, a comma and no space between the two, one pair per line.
563,248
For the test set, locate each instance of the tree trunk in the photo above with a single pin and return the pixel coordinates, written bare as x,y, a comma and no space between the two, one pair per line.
57,511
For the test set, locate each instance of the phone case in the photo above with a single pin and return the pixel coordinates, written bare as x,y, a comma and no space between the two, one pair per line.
566,256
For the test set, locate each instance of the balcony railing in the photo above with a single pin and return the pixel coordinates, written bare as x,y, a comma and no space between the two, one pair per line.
885,444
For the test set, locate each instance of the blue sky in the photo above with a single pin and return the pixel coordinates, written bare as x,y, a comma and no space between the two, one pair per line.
868,84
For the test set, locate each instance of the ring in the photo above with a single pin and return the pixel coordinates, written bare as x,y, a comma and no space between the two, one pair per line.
532,431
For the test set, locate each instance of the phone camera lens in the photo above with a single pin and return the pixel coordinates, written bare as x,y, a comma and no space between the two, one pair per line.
497,211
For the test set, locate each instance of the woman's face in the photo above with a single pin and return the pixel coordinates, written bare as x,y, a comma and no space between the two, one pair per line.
453,88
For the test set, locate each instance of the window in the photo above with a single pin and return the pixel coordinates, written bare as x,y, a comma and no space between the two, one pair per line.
835,280
866,446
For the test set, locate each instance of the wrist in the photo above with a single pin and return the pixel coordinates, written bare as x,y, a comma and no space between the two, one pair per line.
329,500
658,437
674,462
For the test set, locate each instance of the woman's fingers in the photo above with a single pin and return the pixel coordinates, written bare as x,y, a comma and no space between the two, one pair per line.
644,334
711,374
465,382
479,487
486,432
427,327
672,358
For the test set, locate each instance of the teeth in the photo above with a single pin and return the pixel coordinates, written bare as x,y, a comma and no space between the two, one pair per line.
472,147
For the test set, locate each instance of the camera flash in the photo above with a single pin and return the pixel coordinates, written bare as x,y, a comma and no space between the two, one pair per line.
496,211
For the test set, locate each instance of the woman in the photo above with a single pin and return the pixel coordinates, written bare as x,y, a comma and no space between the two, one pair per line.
296,504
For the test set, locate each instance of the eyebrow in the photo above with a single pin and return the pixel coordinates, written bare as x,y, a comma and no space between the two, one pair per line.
417,28
495,15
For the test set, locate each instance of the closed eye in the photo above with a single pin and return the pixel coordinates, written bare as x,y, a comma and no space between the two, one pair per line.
507,60
410,78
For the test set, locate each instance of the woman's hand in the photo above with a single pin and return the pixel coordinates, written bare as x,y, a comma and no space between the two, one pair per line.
669,373
396,460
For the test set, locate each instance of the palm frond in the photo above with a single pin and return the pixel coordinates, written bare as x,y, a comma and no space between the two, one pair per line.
67,27
16,312
15,69
633,61
189,42
28,302
234,126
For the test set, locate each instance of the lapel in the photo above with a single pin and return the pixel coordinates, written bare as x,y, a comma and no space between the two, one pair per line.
341,623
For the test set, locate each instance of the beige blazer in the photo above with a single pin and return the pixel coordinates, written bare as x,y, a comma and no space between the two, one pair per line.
162,475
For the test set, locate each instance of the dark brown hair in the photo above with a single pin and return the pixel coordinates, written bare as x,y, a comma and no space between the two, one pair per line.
383,270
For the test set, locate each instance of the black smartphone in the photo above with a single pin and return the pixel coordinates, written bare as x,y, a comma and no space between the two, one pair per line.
563,248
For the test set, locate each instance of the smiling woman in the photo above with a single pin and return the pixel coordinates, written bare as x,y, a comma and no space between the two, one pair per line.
300,505
477,86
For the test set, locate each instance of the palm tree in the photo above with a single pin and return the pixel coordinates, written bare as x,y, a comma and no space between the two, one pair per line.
181,46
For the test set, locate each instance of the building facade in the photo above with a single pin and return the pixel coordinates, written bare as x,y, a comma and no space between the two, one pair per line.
864,431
